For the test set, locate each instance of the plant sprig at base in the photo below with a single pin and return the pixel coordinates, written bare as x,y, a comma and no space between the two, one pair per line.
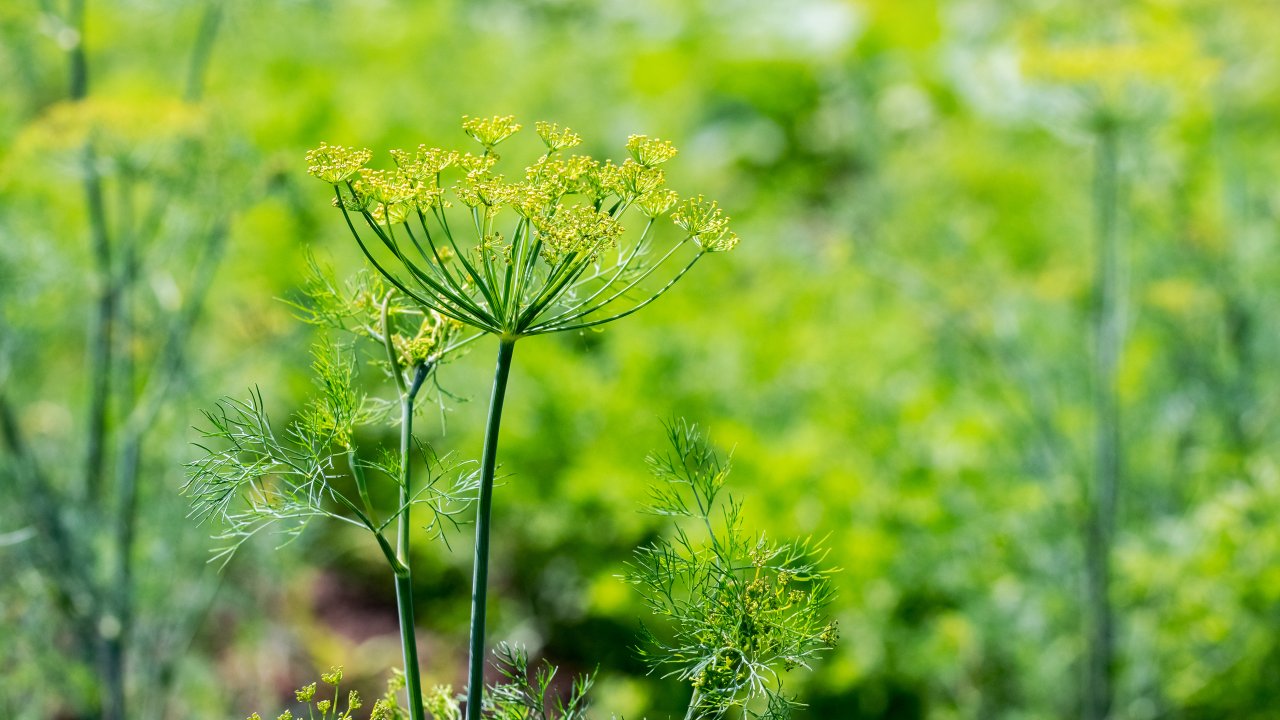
565,262
741,609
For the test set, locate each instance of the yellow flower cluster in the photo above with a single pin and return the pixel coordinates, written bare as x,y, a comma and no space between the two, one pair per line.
638,179
424,163
575,175
529,199
648,151
335,163
434,334
583,227
657,202
490,131
387,187
577,229
557,138
482,189
706,224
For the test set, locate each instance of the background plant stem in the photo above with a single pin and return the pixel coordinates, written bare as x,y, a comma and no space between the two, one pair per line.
480,580
1107,473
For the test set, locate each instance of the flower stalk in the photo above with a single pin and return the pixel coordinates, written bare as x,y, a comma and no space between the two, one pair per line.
484,510
404,570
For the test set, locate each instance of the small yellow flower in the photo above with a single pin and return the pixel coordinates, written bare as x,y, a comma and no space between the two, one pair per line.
425,163
490,131
392,214
648,151
638,179
605,179
698,215
556,137
658,202
387,186
530,199
306,694
335,163
473,164
577,229
427,197
481,190
492,245
706,224
333,677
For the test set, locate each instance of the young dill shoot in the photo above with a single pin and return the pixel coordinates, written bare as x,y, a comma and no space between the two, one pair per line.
522,693
737,609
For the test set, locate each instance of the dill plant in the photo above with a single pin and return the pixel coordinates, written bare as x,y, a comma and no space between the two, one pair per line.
254,476
739,609
546,252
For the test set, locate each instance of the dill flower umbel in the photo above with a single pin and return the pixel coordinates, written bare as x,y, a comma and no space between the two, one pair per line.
556,137
490,131
648,151
578,251
334,163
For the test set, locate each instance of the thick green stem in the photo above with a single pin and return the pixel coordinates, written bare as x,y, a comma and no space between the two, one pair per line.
404,573
480,580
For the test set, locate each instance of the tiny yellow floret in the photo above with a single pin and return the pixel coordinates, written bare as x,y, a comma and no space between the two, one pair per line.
649,151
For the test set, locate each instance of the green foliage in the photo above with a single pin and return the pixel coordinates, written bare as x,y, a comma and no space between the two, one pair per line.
252,476
523,694
741,609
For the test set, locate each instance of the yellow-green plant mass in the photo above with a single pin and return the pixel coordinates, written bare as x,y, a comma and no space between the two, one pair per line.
567,244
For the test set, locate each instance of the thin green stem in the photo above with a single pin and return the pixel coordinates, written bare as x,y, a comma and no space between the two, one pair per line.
404,574
480,579
564,325
362,485
402,566
387,236
421,299
576,311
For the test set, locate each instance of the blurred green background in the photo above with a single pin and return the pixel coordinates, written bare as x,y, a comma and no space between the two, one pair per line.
1001,261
